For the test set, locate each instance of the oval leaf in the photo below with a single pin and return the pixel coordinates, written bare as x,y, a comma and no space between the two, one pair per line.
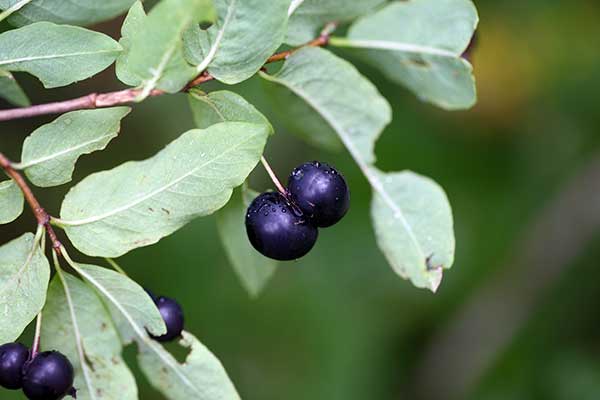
11,91
76,323
138,203
419,44
309,16
24,275
80,12
57,54
200,377
11,201
51,151
246,33
417,237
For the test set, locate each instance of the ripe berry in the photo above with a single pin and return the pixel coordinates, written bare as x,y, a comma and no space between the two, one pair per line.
277,229
49,376
13,357
172,314
320,191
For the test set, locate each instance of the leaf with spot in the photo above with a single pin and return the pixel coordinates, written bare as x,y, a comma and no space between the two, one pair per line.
308,17
51,151
11,91
57,55
76,323
245,35
136,204
155,48
419,44
200,377
80,12
415,233
11,201
24,275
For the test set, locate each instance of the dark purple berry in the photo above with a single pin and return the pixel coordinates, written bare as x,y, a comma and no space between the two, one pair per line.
320,191
13,357
277,230
172,314
49,376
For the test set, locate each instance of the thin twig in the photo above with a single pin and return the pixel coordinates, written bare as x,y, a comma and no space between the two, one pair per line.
41,215
110,99
36,337
273,177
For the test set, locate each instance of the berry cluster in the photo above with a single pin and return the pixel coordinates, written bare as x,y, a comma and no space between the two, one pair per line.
47,376
285,226
172,313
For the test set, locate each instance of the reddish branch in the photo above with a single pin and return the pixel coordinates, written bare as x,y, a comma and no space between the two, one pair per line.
41,215
100,100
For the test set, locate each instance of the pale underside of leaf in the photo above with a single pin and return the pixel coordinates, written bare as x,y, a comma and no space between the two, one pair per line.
138,203
51,151
57,54
11,201
24,275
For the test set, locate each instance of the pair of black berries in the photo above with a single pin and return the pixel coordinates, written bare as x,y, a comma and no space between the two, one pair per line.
49,375
285,226
46,376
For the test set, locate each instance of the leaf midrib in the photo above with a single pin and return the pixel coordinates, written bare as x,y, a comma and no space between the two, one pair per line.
56,56
404,47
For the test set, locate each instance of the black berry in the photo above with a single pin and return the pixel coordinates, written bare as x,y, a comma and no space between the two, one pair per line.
277,230
49,376
172,314
13,357
320,191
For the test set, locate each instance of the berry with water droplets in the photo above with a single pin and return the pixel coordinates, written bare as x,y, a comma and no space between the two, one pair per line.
49,376
320,191
277,229
13,357
172,314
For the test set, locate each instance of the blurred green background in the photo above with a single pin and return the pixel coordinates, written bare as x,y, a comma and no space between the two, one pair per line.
515,318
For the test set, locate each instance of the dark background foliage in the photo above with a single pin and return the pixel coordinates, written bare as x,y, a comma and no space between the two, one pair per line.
516,316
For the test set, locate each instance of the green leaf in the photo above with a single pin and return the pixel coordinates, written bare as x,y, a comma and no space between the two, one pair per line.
156,48
80,12
417,238
245,35
200,377
11,201
223,106
138,203
134,21
51,151
358,114
253,269
310,16
57,54
419,44
125,298
76,323
24,275
299,118
11,91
